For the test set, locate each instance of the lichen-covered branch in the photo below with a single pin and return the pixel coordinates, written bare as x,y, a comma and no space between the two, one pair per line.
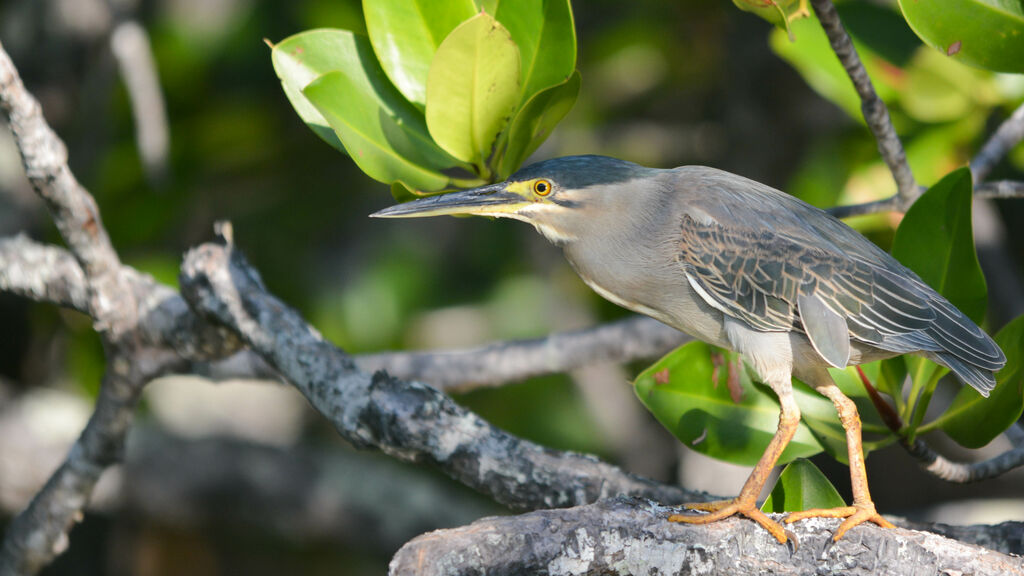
634,338
408,420
45,159
1009,134
629,536
875,112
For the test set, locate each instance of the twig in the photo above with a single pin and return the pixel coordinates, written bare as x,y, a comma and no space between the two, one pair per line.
890,204
1008,135
407,420
634,338
875,113
962,472
628,536
999,189
130,46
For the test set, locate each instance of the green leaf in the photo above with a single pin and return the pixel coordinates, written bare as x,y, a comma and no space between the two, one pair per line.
534,123
382,132
472,88
801,486
405,35
891,376
974,421
680,392
984,33
299,59
544,32
935,241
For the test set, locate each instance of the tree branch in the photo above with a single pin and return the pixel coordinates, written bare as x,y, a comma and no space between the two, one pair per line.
42,273
637,337
629,536
45,159
407,420
1008,135
875,113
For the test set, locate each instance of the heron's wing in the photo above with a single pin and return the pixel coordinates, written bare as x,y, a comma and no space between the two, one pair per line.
775,282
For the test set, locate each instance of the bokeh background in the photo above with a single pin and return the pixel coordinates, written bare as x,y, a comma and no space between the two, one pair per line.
242,477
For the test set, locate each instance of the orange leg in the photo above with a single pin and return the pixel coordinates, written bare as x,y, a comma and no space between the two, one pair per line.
863,509
746,502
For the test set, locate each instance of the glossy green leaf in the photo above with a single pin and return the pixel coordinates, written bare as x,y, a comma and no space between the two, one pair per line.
406,34
984,33
801,486
382,132
472,88
546,36
935,241
534,123
778,12
974,421
299,59
891,377
681,393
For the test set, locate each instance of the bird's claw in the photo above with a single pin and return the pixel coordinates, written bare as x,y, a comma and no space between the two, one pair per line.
856,514
720,509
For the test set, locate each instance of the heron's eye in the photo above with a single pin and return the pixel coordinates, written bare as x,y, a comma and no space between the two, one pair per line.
542,187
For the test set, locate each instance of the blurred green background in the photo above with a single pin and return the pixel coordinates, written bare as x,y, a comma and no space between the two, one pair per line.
664,84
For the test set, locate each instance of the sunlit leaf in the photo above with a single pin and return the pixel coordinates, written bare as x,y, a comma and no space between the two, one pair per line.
299,59
801,486
984,33
778,12
472,88
382,132
699,410
974,421
544,32
535,121
405,35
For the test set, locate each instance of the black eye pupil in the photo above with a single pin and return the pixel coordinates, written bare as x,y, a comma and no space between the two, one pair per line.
542,187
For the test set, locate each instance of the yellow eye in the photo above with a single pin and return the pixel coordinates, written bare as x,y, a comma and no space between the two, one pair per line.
542,187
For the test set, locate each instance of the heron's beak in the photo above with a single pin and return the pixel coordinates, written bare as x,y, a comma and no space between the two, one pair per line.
493,200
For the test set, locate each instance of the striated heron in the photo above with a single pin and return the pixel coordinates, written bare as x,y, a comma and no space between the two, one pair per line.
742,266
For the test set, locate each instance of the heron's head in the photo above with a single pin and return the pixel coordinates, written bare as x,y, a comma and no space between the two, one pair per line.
562,197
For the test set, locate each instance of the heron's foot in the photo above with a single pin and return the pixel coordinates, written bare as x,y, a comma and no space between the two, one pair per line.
720,509
856,514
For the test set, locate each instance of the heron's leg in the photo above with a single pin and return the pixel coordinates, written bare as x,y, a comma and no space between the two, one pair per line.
746,502
863,509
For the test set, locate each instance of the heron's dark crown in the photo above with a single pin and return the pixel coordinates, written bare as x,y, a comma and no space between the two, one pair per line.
576,172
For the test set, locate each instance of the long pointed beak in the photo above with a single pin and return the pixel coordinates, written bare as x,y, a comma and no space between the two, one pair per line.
493,200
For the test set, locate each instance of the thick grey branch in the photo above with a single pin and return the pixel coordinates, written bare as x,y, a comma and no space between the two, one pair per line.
628,536
408,420
1008,135
42,273
634,338
875,113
